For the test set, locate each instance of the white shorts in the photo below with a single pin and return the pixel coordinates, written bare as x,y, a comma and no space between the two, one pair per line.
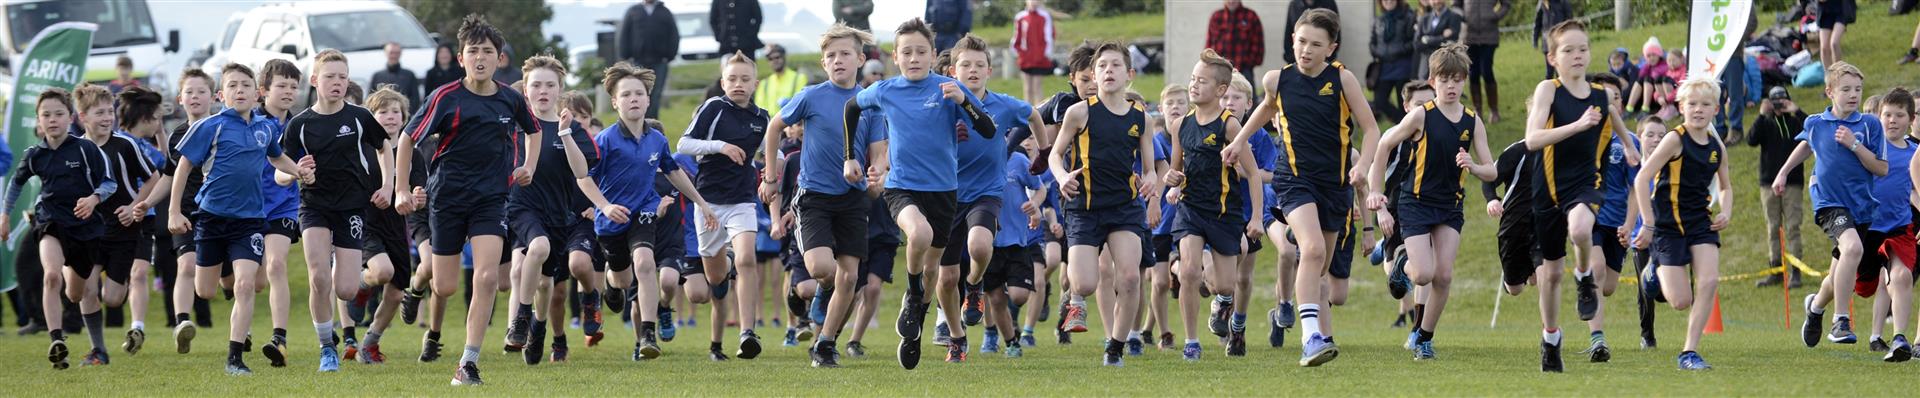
735,219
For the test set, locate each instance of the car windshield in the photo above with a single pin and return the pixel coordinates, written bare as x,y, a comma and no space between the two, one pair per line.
364,31
122,22
692,24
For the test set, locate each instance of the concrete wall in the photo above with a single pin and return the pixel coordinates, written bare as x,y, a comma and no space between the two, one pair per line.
1187,34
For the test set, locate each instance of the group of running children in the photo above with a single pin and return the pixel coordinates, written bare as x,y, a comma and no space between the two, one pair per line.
963,176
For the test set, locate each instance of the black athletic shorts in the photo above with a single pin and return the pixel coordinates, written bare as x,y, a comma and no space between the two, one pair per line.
1162,247
1608,240
349,228
618,248
222,239
1222,235
452,224
833,221
1091,227
1836,12
1010,268
288,227
1676,250
984,213
1838,220
1519,252
1332,203
879,261
78,253
1414,218
937,207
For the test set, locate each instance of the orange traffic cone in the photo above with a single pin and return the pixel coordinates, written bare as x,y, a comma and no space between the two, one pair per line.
1713,320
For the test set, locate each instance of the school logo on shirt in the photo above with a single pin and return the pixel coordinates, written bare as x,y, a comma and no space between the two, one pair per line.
1211,140
1713,157
260,138
344,131
1465,136
653,160
1133,131
504,119
73,164
1614,154
1327,89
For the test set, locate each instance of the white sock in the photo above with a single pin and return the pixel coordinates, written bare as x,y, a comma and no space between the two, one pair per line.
940,313
138,325
325,332
1309,321
1552,337
1582,274
1133,335
1874,337
1078,300
1193,341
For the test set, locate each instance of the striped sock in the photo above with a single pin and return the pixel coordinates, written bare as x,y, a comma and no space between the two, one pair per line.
1309,322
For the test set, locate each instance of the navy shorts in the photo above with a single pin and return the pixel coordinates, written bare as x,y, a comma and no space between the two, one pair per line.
349,227
1414,218
452,224
879,262
1519,253
1608,240
1332,203
221,239
1675,250
1550,221
983,212
1340,261
115,258
1222,235
618,248
1091,227
288,227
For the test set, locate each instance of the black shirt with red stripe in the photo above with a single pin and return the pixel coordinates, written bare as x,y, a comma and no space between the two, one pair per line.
474,159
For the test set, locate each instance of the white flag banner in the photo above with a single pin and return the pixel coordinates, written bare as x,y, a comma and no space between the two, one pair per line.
1713,34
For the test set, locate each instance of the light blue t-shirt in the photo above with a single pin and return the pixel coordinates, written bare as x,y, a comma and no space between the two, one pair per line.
823,108
1891,190
1015,183
921,123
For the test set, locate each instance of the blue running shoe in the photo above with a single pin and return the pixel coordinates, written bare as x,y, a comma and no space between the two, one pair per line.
1843,332
1398,283
1136,347
940,335
1318,351
1285,319
667,325
791,340
1423,351
329,359
992,341
1378,254
1191,353
1650,283
1901,351
1026,338
1413,338
1692,361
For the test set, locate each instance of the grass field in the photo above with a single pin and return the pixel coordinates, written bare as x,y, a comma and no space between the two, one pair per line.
1758,355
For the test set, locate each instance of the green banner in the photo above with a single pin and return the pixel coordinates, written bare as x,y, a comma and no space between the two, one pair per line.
56,58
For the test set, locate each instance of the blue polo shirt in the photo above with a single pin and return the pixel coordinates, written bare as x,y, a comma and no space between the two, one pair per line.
282,201
1015,183
626,170
983,160
232,152
1839,180
1618,180
823,107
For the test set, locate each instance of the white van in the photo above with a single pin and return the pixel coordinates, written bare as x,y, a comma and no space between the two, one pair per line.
297,31
125,28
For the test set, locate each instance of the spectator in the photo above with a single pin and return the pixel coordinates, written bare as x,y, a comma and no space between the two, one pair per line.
1835,15
1234,32
649,38
1392,55
403,80
853,13
1483,38
1649,95
1548,14
780,85
1286,31
1774,131
736,25
1033,36
1439,25
1739,87
446,68
1621,64
123,79
873,71
950,20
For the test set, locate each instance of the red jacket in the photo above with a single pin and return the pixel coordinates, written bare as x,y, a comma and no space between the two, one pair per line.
1033,38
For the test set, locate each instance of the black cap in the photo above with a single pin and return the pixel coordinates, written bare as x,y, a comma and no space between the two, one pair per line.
1778,93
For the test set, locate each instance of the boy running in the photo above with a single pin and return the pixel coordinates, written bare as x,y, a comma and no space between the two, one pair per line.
923,111
832,205
73,180
1209,191
469,176
724,135
1429,207
232,216
389,263
1850,146
1100,192
114,250
343,142
279,82
1317,102
1685,233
